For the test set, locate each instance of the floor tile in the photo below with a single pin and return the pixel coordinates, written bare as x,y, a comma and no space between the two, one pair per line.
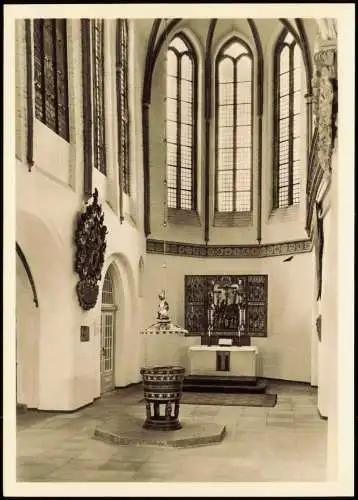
283,443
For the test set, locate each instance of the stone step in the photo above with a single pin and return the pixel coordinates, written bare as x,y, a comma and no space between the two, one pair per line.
218,379
224,389
21,408
222,386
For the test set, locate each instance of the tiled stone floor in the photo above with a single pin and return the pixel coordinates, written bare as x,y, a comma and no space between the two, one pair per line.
284,443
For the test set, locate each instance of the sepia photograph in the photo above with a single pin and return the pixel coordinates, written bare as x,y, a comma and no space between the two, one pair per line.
178,271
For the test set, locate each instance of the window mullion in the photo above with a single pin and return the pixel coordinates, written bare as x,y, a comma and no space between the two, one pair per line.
54,69
64,70
43,64
122,92
290,130
234,139
103,128
178,172
98,95
50,117
277,95
121,157
124,46
94,93
193,138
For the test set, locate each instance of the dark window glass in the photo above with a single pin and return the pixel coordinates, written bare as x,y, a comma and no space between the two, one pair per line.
98,95
122,102
51,85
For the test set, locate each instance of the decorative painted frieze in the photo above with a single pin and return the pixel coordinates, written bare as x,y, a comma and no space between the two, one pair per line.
228,251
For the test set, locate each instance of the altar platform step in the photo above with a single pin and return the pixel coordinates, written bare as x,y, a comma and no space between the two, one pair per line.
223,384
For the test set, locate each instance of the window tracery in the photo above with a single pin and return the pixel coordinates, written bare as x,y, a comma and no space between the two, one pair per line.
98,95
181,134
234,104
287,121
50,66
122,103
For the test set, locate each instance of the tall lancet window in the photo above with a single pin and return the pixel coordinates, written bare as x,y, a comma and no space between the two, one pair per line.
122,103
98,95
181,133
234,90
287,121
51,86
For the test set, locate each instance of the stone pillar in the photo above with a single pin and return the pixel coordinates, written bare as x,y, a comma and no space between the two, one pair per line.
325,109
309,121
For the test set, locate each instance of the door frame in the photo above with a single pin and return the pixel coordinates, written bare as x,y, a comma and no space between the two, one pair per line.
107,385
107,380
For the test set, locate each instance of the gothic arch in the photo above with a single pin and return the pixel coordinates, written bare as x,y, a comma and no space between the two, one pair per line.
124,288
22,257
42,250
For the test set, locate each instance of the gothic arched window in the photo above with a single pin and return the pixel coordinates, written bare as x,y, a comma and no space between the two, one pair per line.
181,136
288,87
99,141
234,91
51,85
122,103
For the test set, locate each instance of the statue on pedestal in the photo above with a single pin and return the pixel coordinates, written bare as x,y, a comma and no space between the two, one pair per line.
163,308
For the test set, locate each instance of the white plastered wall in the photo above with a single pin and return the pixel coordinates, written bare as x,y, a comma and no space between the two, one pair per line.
47,201
47,259
27,339
286,351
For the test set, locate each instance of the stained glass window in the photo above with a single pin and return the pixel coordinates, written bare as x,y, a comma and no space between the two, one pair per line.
122,102
287,126
233,127
181,124
50,70
98,95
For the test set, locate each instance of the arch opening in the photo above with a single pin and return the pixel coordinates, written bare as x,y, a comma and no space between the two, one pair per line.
27,328
109,306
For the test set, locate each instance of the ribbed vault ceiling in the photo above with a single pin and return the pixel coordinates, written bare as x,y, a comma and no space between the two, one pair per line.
266,29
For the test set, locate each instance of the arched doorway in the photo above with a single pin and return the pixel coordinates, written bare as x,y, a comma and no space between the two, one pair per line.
108,323
27,325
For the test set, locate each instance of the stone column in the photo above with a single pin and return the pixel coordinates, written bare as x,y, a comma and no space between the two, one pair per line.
325,109
309,100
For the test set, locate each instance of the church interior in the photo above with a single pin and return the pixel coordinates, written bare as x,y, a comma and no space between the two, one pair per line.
176,221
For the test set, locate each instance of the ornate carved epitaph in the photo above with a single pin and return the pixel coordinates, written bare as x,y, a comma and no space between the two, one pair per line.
325,104
90,239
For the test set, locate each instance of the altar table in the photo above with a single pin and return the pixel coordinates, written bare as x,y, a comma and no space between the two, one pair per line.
223,360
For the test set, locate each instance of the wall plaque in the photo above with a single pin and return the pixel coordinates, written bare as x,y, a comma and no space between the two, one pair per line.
85,334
